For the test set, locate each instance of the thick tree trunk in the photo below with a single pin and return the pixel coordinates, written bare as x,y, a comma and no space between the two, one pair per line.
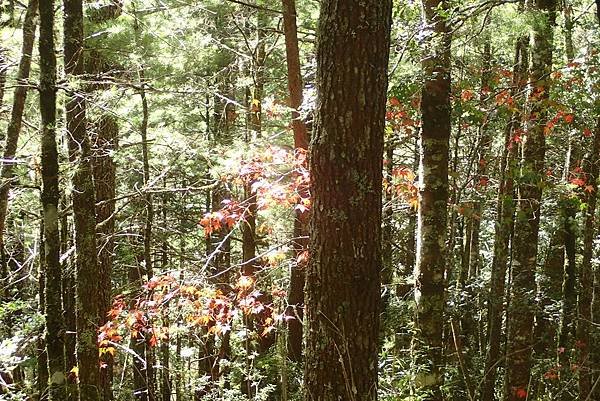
50,197
522,305
433,198
86,306
295,89
505,207
586,278
343,283
104,171
16,118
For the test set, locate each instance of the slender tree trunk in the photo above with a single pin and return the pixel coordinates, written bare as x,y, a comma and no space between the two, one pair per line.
297,274
3,71
568,211
42,356
165,343
16,118
87,307
50,196
387,234
433,198
104,171
505,207
522,307
586,279
343,276
148,223
474,336
68,289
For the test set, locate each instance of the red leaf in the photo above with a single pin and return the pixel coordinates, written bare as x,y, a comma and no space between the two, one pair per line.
521,392
578,181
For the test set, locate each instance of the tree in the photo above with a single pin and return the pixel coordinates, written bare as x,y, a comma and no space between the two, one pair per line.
433,197
16,119
343,283
296,293
86,306
521,310
104,171
505,208
50,198
586,273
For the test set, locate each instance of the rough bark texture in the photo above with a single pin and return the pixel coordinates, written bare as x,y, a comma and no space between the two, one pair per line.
433,198
343,285
50,198
86,306
586,279
42,356
16,117
3,71
68,289
569,296
522,305
297,276
104,170
504,223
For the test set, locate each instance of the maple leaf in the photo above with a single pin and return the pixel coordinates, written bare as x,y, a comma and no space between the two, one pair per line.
466,95
577,182
394,101
589,189
587,132
521,392
569,118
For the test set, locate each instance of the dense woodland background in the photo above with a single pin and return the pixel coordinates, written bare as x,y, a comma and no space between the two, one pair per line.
161,237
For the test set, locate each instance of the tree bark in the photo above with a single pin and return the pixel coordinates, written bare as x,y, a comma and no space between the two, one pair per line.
104,171
86,306
16,118
50,197
42,355
522,307
586,279
300,233
433,198
343,276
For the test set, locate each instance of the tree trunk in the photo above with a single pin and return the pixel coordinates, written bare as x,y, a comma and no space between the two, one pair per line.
343,276
586,279
3,71
297,274
87,307
505,207
522,308
68,289
433,198
16,118
104,171
50,196
42,356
